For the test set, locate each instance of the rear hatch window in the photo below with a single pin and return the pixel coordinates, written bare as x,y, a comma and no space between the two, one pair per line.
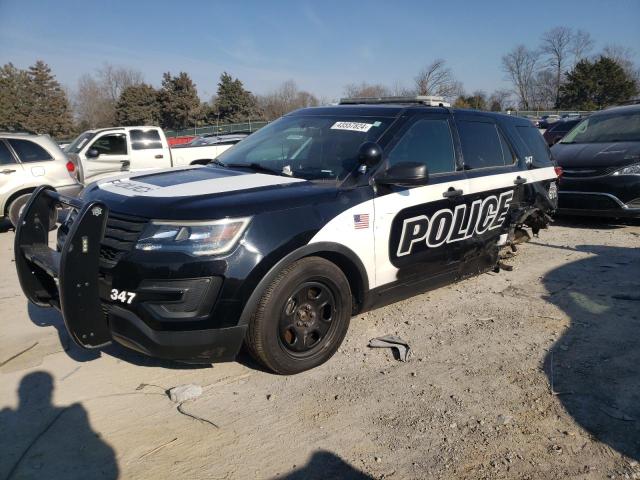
535,145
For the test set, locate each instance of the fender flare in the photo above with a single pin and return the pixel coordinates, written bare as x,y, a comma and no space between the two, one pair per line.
322,249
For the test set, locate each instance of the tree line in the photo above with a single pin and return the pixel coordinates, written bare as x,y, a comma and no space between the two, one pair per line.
560,72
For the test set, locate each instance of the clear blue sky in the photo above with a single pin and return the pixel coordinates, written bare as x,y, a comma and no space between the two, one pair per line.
321,45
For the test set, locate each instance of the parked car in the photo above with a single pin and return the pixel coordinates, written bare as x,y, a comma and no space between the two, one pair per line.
559,129
26,162
547,120
110,151
600,159
320,215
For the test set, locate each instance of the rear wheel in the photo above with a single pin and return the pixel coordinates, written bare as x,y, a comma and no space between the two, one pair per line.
302,317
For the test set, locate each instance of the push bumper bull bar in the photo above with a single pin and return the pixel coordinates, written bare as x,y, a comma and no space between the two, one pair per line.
66,279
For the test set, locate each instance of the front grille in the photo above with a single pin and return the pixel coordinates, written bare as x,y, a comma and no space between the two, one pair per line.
120,236
587,172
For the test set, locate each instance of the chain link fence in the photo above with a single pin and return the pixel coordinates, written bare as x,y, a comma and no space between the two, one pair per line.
244,127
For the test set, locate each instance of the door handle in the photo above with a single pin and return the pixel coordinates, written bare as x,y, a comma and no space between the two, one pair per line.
520,180
159,156
7,171
452,192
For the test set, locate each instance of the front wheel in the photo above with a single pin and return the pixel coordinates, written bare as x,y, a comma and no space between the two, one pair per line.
16,207
301,318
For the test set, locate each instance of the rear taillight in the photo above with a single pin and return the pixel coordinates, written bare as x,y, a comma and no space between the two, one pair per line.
558,171
71,167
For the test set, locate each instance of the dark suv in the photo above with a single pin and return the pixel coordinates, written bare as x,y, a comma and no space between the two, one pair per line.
600,159
325,213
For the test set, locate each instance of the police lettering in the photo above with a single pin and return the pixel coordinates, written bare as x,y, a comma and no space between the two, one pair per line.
448,226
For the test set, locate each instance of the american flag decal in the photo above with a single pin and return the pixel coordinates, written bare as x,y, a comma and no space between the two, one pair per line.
361,221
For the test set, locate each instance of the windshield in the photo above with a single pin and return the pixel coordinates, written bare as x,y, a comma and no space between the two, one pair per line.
79,142
309,147
606,128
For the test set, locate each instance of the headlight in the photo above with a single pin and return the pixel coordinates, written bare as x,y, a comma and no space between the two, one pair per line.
195,238
630,170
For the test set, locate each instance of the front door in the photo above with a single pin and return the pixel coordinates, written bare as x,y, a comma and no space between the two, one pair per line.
413,224
113,156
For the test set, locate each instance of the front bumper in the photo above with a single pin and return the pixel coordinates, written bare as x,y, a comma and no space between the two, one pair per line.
70,279
607,196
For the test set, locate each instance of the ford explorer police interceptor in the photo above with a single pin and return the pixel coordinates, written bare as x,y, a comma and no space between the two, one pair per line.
325,213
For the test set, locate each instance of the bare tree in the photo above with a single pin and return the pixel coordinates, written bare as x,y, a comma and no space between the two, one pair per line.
365,89
544,92
97,95
92,105
581,45
520,65
556,45
499,100
437,79
115,79
623,56
284,99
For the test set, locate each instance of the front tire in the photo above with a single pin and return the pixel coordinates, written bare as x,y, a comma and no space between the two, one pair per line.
302,317
15,208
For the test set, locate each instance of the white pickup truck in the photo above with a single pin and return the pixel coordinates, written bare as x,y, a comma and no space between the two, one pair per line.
108,151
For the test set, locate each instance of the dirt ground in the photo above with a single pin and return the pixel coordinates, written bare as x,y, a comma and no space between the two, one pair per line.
530,373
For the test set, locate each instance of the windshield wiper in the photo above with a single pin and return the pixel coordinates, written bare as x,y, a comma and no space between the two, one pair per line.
257,167
215,161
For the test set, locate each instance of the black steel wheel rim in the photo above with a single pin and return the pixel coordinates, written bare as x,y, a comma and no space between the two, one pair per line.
308,317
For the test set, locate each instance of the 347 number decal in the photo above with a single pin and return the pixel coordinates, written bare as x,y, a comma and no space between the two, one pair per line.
122,296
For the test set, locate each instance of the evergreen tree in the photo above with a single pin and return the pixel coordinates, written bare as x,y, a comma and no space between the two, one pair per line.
597,84
179,103
13,93
46,106
233,102
138,105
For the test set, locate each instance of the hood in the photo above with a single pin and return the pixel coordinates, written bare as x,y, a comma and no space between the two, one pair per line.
569,155
198,193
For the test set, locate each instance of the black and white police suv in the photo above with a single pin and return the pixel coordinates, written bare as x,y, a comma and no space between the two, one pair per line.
324,213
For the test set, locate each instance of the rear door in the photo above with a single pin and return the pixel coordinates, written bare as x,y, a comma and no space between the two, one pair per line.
147,150
412,224
493,174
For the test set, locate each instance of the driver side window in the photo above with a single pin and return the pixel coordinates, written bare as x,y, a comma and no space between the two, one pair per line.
115,144
427,141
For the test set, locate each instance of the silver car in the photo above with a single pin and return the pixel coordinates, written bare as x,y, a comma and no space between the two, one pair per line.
26,162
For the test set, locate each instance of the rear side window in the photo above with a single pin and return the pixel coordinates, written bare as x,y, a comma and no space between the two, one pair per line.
145,139
28,151
427,141
483,145
536,146
5,155
115,144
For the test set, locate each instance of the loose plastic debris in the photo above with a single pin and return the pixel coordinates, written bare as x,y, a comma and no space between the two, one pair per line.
394,342
182,393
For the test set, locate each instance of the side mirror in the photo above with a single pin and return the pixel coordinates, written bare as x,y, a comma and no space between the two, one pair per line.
369,154
406,173
93,153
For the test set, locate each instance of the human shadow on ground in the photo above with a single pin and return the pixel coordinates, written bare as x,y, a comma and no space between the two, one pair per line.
594,368
50,317
323,465
41,440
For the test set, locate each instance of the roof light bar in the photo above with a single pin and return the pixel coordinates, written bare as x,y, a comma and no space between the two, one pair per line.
429,100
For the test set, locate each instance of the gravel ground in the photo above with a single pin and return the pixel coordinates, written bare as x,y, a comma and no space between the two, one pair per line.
529,373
